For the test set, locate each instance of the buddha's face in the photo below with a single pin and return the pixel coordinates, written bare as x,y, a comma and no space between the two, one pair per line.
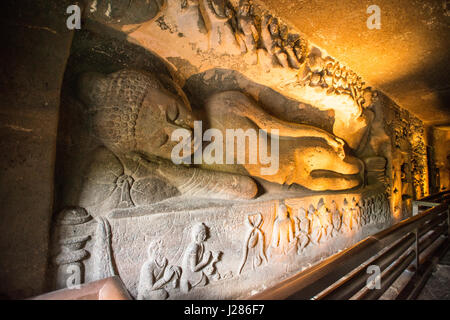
160,115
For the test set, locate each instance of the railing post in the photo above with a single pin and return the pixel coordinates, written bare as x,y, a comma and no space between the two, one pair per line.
416,248
415,208
448,220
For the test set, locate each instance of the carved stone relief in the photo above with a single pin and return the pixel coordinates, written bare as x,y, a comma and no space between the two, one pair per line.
283,238
419,158
219,230
302,230
254,247
209,34
198,263
70,250
156,274
133,116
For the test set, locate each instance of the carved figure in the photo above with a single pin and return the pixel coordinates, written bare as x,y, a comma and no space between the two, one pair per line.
325,218
198,263
379,207
70,250
216,15
336,218
156,274
316,226
254,242
356,214
347,221
246,22
271,39
283,231
302,230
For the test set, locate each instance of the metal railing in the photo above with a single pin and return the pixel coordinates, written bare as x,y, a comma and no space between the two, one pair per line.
430,201
413,244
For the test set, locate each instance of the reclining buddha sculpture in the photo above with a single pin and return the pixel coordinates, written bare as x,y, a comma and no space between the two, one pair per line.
133,115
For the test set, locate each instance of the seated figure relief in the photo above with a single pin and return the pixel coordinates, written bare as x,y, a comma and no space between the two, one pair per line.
133,116
156,274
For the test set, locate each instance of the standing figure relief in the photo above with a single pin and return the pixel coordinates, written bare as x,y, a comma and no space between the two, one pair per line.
336,219
347,220
325,219
272,41
217,15
302,230
247,27
316,226
356,213
283,237
253,249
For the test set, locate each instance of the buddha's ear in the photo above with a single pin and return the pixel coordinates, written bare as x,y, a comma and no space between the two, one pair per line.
172,86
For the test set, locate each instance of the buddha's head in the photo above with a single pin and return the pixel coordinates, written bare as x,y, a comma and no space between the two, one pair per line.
132,111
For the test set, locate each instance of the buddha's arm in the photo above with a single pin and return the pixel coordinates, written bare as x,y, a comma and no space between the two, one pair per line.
268,123
285,129
198,182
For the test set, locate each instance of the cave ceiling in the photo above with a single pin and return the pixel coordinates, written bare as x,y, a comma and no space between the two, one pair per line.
407,58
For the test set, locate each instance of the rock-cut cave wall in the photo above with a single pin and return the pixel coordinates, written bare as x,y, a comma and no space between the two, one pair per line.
91,188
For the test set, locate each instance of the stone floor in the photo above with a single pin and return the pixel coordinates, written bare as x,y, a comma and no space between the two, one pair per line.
438,285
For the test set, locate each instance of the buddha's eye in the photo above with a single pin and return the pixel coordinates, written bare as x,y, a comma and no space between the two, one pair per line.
172,112
159,139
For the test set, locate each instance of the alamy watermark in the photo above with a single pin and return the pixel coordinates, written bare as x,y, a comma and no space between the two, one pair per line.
235,142
374,20
74,279
74,20
374,280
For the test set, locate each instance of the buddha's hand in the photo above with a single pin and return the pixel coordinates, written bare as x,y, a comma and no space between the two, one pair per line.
338,146
148,161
